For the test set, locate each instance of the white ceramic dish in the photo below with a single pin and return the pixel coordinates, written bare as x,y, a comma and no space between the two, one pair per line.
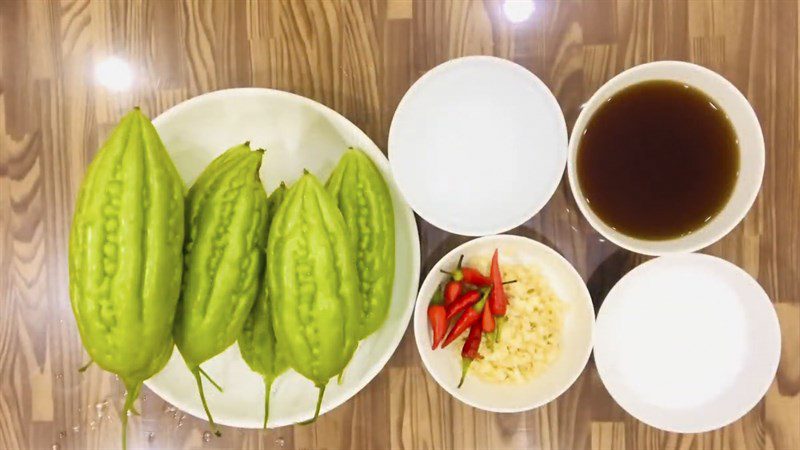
751,154
687,343
298,133
445,364
482,131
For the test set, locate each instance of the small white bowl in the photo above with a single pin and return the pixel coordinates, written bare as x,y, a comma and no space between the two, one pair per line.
751,154
687,343
481,131
445,364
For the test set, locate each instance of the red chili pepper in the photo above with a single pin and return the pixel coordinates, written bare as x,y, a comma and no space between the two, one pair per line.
498,301
472,343
437,317
462,303
473,276
487,320
452,291
455,275
470,316
469,352
468,275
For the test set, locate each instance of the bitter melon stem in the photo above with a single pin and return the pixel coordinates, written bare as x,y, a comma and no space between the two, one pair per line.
211,380
85,366
267,388
319,404
132,389
196,373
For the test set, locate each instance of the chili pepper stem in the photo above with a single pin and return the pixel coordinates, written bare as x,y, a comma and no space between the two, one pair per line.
196,373
267,388
86,366
132,390
319,404
204,374
497,326
465,363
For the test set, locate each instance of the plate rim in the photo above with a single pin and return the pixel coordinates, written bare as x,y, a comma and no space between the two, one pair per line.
409,220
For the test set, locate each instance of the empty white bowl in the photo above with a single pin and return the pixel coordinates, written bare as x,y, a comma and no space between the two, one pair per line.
444,364
478,145
687,343
751,154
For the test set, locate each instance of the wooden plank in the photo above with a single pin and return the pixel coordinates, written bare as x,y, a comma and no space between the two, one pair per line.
359,57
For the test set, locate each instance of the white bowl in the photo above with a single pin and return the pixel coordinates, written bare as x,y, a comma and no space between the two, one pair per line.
687,343
298,133
481,131
445,364
751,154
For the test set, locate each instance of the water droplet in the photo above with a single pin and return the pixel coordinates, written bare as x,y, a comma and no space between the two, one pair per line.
144,397
62,434
151,436
76,429
100,408
59,376
280,442
56,447
116,377
180,421
169,408
93,425
207,436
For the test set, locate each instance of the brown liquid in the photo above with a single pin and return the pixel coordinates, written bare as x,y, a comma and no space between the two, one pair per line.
658,160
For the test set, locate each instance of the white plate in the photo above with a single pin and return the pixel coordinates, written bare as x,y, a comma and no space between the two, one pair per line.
445,364
298,133
687,343
478,145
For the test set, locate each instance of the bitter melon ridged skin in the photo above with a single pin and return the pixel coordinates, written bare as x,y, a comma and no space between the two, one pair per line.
226,214
257,341
365,202
125,254
313,283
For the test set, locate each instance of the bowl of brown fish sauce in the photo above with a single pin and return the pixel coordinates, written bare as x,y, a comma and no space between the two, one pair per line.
662,160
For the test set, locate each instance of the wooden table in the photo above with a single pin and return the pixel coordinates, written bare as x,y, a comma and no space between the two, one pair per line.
359,58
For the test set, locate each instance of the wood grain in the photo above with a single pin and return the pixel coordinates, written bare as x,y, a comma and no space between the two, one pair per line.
359,57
